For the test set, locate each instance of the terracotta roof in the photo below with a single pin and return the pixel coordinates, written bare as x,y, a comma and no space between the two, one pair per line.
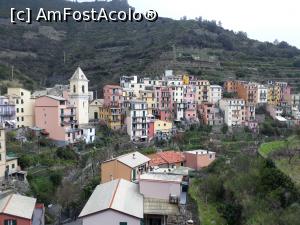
167,157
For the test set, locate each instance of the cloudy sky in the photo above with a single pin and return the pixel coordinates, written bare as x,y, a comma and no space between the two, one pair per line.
265,20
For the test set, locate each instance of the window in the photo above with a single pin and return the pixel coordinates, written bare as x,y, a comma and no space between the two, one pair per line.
22,110
12,166
83,88
10,222
22,118
22,93
22,101
17,110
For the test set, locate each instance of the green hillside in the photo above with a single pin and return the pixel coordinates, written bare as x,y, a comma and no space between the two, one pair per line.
47,53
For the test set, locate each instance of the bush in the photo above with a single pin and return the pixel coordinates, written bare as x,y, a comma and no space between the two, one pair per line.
56,178
26,161
66,154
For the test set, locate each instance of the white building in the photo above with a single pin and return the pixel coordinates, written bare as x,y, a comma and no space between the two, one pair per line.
24,106
262,94
178,94
136,121
234,111
117,202
215,93
8,165
295,100
79,97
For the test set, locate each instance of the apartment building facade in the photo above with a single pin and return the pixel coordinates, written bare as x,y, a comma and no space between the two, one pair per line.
234,111
7,111
58,119
136,120
24,104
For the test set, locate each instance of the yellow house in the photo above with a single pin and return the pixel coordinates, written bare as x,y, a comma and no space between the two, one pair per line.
24,106
203,91
162,126
274,94
111,116
94,109
149,97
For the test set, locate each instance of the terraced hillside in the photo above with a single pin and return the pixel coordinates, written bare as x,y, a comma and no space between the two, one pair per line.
42,54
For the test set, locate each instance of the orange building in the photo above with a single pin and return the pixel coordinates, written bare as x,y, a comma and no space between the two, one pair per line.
198,159
248,92
127,167
230,86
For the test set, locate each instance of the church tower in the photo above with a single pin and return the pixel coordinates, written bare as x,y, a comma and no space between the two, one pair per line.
79,96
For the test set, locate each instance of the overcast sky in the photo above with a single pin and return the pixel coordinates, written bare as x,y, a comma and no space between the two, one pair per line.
265,20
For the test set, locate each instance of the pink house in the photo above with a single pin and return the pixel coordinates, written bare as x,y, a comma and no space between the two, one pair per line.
57,118
164,102
198,159
117,202
287,94
161,186
189,95
112,95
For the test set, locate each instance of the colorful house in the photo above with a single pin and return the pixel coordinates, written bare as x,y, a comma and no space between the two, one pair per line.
8,165
21,210
127,167
7,111
58,119
203,91
248,92
117,202
215,93
210,114
113,95
234,111
112,116
94,109
199,159
24,106
136,120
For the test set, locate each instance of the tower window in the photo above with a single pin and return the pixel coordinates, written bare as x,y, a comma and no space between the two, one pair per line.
83,89
74,88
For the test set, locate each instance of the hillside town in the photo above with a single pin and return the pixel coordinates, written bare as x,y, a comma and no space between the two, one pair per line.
145,108
134,188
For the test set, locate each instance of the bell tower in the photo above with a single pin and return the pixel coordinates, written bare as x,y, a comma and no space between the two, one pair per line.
79,95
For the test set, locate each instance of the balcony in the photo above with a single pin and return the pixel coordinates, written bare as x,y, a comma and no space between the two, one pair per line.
67,114
68,123
8,113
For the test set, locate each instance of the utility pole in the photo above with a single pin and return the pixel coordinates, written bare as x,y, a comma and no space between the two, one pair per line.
12,72
174,53
64,57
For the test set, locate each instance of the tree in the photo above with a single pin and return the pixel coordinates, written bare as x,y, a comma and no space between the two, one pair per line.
291,149
224,129
56,178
